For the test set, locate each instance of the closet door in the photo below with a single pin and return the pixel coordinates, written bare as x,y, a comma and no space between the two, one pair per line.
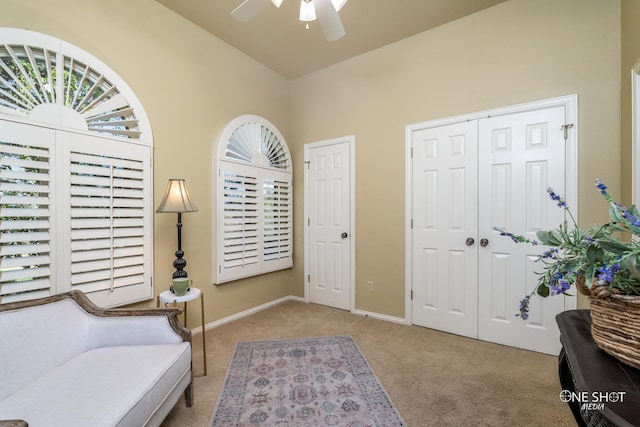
445,209
520,156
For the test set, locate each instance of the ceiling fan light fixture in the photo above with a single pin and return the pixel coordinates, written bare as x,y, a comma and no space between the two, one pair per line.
277,2
307,11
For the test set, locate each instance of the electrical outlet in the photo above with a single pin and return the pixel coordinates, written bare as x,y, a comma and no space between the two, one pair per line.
370,285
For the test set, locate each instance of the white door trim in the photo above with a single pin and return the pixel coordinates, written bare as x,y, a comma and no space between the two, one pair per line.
570,102
351,141
635,122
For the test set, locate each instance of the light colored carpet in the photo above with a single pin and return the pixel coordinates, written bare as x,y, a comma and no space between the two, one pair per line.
433,378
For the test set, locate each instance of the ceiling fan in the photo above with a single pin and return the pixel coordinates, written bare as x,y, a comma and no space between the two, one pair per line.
325,10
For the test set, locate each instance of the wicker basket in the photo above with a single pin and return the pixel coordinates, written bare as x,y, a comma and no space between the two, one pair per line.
616,322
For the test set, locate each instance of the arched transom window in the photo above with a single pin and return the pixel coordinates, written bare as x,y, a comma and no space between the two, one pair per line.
47,80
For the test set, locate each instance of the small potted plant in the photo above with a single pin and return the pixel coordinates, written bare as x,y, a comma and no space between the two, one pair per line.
603,262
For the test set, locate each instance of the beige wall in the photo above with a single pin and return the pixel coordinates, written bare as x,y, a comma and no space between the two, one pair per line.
518,51
192,84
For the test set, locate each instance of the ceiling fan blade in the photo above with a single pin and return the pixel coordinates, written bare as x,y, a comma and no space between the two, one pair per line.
248,9
329,20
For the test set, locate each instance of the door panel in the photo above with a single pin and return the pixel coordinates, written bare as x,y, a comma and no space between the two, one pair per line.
328,182
520,156
445,216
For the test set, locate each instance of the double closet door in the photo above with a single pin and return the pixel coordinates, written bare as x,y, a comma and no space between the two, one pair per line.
468,178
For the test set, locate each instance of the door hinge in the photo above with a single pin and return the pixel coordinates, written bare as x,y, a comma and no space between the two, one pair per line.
412,152
308,221
308,163
412,223
308,278
411,294
566,128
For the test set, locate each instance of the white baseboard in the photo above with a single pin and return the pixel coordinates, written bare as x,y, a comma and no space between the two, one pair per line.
245,313
270,304
379,316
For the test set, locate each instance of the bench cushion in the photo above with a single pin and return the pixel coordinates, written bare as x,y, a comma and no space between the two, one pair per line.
110,386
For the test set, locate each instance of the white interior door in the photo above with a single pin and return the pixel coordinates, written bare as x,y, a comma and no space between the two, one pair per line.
466,178
329,215
520,156
445,225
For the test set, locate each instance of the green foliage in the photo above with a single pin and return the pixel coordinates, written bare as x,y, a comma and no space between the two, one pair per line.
599,254
32,83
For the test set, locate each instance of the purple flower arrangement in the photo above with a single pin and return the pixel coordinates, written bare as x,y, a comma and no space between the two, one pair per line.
599,254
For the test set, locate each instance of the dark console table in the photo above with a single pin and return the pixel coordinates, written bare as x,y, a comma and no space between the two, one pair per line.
600,390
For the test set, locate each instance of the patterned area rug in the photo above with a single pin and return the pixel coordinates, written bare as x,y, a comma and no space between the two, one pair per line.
322,381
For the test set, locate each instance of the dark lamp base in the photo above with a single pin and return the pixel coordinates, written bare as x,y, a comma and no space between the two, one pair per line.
179,264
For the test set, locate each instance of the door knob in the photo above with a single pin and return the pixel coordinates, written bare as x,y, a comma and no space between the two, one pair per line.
484,242
344,235
470,241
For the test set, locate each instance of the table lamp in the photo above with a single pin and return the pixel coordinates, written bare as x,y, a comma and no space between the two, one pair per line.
177,200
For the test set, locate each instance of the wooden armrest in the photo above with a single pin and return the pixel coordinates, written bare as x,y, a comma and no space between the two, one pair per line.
13,423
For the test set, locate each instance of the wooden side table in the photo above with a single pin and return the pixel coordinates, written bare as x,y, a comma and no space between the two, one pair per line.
168,297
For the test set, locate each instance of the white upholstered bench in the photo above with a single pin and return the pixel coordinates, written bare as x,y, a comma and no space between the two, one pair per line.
67,362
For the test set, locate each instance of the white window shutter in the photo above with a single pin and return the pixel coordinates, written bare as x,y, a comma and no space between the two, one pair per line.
240,228
93,209
278,220
25,212
110,219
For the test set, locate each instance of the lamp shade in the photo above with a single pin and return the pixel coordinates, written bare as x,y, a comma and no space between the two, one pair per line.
176,198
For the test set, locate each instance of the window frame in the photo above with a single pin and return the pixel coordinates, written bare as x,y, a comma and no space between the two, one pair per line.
253,201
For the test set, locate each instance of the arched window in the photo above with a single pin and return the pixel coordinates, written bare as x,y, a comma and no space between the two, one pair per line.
254,228
75,175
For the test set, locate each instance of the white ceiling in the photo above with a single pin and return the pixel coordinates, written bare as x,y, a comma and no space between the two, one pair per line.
279,40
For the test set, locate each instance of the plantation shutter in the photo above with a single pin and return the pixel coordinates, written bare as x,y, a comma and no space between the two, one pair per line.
241,221
81,223
110,227
278,224
254,200
25,212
